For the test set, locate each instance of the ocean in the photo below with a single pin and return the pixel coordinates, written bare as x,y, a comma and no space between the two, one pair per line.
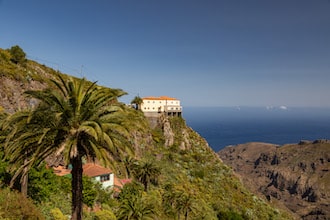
223,126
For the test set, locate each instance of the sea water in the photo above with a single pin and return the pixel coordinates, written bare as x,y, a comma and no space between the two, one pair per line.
223,126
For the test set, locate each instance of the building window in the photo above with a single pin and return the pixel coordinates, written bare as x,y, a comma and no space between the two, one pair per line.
104,178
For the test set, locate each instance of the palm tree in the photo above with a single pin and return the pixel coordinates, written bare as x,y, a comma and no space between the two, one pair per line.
128,163
146,172
3,116
137,101
20,144
179,199
78,120
133,204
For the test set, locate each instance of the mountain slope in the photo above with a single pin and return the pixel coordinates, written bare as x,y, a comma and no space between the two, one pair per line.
295,175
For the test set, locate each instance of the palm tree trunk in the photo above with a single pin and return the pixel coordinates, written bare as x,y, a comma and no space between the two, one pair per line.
24,183
77,188
145,186
24,180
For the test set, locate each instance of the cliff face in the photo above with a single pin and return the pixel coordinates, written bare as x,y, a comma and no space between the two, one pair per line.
296,175
15,78
11,93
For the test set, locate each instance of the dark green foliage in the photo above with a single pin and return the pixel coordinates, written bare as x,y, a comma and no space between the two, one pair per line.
103,196
43,183
4,175
49,190
229,215
181,199
137,102
17,55
46,188
134,204
89,192
158,136
146,172
128,164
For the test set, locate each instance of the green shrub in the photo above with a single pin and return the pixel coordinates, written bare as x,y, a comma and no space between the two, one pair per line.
105,215
57,214
89,192
158,136
17,55
229,215
14,205
4,56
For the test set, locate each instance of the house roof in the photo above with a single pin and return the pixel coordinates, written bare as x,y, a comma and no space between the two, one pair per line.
121,182
159,98
61,171
93,170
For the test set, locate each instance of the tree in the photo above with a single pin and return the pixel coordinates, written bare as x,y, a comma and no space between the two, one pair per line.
146,172
129,163
179,199
134,204
78,120
4,175
17,54
19,144
137,101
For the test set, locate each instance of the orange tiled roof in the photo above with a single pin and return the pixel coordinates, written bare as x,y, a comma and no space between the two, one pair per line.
159,98
92,170
119,183
61,171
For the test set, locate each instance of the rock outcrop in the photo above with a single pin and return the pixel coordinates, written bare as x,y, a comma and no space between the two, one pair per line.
296,175
11,93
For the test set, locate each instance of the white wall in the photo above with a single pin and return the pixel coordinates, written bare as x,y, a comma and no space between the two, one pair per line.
108,183
155,105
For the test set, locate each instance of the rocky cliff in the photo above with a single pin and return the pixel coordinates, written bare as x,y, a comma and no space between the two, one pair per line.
296,175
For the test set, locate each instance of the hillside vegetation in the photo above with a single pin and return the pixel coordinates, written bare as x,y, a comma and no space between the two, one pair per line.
175,174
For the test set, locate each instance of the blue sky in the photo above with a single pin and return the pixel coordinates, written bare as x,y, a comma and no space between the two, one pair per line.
204,52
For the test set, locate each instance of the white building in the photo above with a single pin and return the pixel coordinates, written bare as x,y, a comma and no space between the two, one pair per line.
162,104
101,174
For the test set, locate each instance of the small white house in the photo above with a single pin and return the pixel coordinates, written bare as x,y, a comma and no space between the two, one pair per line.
162,104
101,174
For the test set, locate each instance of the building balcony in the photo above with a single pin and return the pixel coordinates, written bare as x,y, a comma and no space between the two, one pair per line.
172,108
